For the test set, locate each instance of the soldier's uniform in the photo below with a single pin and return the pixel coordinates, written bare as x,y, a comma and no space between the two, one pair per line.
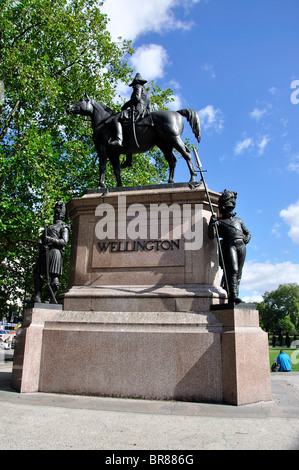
235,237
55,242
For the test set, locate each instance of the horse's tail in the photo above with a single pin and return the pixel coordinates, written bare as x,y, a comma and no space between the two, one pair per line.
193,119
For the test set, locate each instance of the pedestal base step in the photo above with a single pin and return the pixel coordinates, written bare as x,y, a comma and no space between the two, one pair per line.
203,357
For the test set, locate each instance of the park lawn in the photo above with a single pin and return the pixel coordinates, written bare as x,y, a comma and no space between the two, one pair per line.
273,352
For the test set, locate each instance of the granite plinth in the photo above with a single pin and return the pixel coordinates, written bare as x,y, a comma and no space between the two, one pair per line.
27,353
204,357
146,187
142,298
245,356
138,241
149,355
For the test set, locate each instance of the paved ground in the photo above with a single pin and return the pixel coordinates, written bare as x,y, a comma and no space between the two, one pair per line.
58,422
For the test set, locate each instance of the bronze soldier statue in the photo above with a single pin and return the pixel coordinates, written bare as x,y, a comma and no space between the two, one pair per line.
235,237
139,105
52,245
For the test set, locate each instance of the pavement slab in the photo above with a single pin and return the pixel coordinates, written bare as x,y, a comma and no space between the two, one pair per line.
42,421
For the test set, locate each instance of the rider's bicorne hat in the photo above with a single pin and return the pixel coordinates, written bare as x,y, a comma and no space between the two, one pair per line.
138,79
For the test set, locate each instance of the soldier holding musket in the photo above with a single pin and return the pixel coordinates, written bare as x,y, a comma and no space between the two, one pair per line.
235,237
52,245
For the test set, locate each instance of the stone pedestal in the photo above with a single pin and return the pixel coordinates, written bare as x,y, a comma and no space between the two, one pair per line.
219,356
143,250
245,355
28,347
144,315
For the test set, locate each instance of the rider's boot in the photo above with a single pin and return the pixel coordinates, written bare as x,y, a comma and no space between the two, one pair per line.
119,135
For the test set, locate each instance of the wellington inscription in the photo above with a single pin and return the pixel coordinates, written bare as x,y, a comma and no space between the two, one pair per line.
143,245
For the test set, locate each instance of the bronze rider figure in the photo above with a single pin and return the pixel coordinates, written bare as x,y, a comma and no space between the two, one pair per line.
139,105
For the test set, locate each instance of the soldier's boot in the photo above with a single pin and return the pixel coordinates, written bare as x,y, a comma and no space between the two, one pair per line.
119,136
234,290
55,284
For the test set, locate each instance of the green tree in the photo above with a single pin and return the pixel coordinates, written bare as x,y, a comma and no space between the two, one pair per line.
51,52
280,308
286,325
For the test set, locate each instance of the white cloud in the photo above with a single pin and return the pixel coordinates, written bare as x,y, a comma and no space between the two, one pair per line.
130,19
275,230
274,91
294,164
243,145
257,113
176,103
262,144
210,69
150,60
211,118
123,92
248,144
253,297
291,217
262,277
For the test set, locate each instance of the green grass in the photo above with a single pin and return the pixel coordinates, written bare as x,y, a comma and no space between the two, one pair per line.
273,352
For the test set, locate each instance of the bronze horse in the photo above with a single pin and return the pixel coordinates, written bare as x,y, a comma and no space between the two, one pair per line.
162,129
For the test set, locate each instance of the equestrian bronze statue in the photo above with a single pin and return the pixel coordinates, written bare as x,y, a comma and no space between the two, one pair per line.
135,130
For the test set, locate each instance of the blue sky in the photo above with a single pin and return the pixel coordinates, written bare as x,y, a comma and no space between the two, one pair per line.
235,62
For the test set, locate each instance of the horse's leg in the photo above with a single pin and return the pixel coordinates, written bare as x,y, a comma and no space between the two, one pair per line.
102,168
116,168
171,159
186,154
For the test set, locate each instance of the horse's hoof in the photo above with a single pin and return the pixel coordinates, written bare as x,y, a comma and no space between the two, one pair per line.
194,184
103,190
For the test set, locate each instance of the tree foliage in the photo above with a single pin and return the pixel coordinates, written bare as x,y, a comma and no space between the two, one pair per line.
51,52
280,308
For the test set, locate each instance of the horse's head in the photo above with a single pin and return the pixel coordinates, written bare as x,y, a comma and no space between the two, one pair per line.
83,107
